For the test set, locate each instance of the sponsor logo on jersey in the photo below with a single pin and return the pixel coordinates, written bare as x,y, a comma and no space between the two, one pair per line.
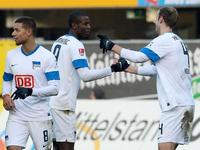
26,81
36,64
12,65
81,51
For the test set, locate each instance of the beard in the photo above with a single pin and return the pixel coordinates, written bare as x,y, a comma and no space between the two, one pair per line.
19,42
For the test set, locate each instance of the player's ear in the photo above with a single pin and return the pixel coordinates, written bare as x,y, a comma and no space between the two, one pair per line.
74,26
161,20
29,31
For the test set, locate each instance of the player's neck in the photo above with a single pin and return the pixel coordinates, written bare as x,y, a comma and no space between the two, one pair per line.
29,46
73,33
165,30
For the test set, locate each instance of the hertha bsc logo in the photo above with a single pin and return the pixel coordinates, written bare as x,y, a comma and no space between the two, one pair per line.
36,64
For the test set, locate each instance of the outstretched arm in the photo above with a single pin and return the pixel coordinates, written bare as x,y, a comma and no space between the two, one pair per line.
146,70
87,74
133,56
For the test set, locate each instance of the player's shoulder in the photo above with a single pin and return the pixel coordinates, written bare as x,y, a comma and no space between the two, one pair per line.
164,38
14,51
67,40
44,51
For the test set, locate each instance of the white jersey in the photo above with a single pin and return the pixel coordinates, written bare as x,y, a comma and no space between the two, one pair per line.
170,56
70,54
35,70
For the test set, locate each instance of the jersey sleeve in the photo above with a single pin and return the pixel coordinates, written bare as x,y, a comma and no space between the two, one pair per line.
7,78
8,75
147,70
51,69
134,56
78,54
156,49
52,76
93,74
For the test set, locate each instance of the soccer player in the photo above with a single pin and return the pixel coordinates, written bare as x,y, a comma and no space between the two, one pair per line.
170,64
32,72
73,67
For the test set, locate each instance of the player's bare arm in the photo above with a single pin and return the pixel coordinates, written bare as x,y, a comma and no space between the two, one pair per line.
8,103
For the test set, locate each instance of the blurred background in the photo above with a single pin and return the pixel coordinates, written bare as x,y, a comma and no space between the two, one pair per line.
121,19
130,24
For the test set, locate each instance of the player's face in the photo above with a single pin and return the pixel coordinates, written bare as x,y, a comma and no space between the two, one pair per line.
83,27
20,34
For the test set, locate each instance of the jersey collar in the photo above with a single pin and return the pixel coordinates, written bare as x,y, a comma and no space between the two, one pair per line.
72,34
31,52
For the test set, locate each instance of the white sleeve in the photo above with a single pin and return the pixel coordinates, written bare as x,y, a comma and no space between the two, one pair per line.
7,78
7,87
157,48
88,75
77,50
50,90
78,54
52,76
134,56
147,70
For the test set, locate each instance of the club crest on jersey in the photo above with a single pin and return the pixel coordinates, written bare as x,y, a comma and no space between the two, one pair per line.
36,64
81,51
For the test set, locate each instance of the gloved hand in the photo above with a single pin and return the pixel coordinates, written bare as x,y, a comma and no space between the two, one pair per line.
105,43
121,65
22,93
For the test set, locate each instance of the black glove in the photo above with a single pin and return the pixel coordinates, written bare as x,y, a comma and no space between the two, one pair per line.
22,93
121,65
105,43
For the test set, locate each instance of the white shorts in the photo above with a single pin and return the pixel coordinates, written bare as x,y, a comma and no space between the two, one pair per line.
175,125
64,125
17,133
